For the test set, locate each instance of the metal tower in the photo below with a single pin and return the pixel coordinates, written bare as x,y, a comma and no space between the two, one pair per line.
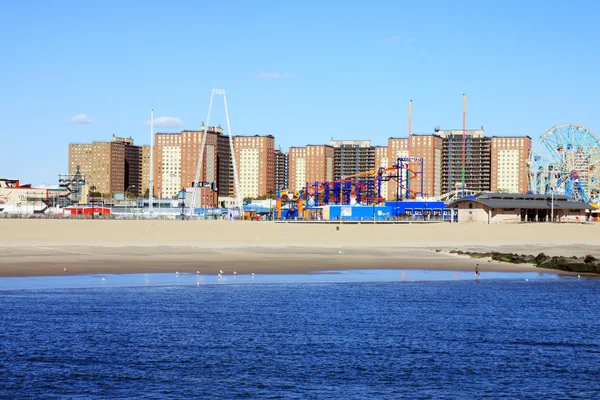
201,155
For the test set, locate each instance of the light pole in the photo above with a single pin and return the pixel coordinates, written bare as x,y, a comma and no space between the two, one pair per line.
552,206
373,204
126,196
127,190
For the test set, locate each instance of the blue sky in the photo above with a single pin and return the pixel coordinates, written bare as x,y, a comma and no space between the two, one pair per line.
304,71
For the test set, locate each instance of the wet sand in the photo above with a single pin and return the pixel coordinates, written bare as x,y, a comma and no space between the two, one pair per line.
46,247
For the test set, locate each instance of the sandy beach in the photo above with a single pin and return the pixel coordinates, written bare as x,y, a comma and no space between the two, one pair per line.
46,247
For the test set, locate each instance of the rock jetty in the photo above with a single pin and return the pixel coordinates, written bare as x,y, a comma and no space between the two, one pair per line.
587,264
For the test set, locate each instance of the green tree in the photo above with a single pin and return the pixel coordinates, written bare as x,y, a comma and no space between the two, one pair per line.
267,197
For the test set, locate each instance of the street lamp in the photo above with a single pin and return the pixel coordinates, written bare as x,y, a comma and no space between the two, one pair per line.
126,196
127,190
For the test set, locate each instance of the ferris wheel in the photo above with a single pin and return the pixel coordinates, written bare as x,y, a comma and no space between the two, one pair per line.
566,160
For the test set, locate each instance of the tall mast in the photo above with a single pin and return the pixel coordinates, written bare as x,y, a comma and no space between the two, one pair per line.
409,124
464,142
151,183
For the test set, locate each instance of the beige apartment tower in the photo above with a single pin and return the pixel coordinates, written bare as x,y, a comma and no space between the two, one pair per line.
509,155
296,168
167,164
176,160
108,167
255,157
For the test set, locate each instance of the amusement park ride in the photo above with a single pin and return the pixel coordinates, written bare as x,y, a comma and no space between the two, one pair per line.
565,161
365,188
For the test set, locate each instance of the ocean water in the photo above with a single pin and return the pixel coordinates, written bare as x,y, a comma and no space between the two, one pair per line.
513,336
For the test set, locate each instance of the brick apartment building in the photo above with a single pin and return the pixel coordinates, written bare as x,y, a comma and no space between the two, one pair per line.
255,158
509,155
108,167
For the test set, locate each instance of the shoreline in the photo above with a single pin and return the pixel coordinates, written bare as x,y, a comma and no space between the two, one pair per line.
81,260
45,247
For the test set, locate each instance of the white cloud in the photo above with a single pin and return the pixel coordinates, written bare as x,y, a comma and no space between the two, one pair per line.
274,75
80,119
268,75
165,122
397,38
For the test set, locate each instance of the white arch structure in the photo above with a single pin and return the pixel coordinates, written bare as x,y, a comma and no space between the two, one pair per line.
218,92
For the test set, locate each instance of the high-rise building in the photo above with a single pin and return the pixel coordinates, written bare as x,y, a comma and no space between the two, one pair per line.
108,167
509,155
297,168
167,164
397,148
382,161
310,164
224,165
477,160
352,157
281,169
427,147
133,170
80,159
176,161
255,158
191,143
145,168
319,163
